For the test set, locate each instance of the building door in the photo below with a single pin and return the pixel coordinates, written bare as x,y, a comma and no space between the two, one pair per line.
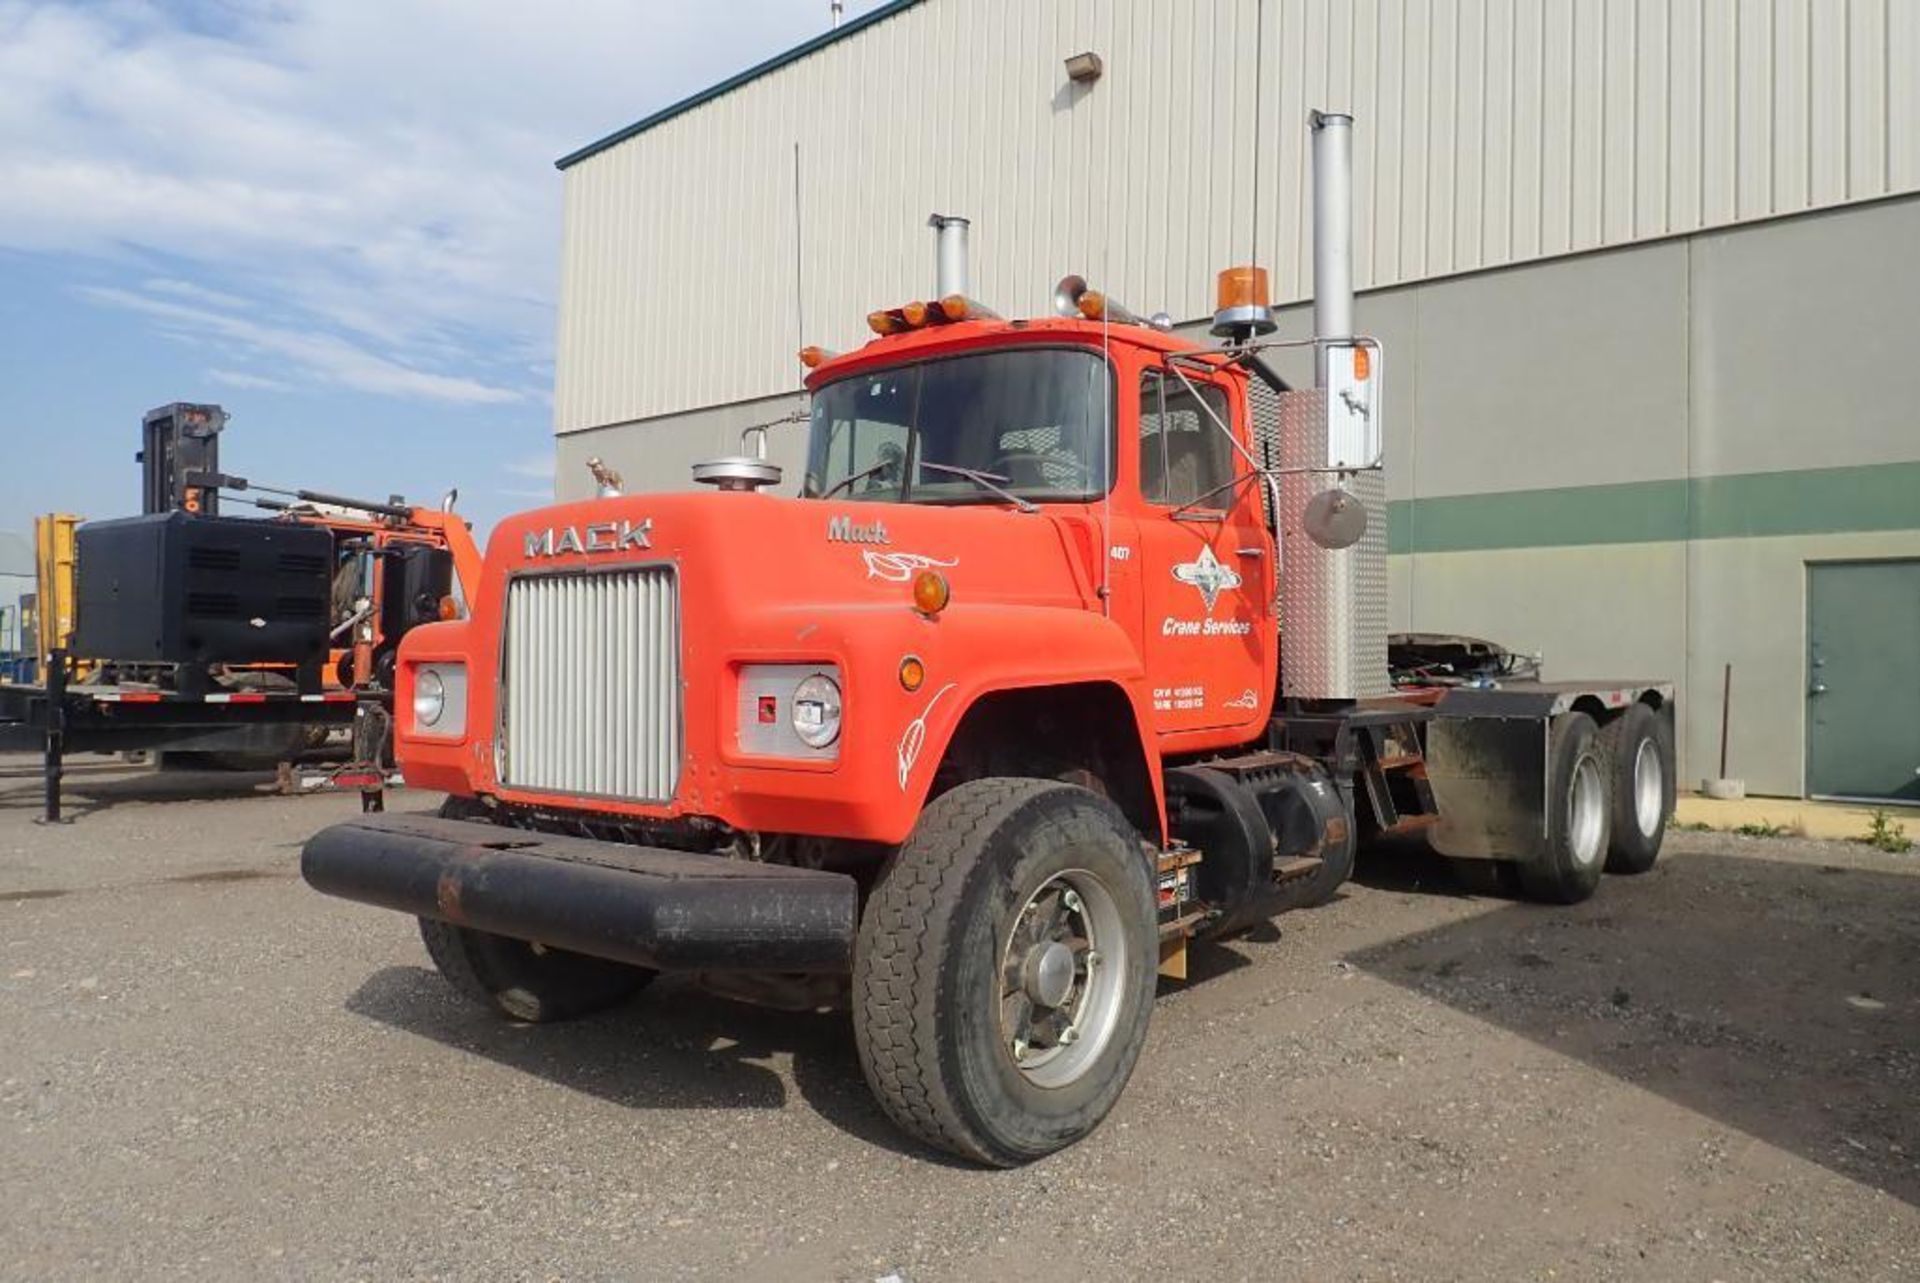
1863,680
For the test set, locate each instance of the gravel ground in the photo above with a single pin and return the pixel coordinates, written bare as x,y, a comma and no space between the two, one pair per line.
208,1070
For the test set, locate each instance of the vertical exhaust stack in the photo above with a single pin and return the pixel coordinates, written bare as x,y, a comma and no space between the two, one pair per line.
1332,230
950,256
1333,600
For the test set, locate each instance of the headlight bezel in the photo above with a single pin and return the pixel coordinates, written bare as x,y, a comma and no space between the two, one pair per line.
444,684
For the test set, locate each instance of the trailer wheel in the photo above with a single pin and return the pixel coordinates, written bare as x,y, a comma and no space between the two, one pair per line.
1004,970
1640,774
527,981
1567,869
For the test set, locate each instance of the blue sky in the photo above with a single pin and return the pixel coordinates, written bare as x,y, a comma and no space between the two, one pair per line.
337,218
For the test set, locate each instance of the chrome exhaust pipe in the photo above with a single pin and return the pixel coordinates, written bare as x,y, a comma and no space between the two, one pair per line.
1332,227
950,255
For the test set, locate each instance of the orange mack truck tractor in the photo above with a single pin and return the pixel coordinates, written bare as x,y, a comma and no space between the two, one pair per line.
1071,651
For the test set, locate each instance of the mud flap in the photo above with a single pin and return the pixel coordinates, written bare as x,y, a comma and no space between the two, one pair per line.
1489,780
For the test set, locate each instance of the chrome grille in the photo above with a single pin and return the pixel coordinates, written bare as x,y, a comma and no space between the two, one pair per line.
593,684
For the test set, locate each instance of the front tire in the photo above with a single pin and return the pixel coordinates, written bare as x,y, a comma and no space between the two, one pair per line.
1004,971
525,981
1567,869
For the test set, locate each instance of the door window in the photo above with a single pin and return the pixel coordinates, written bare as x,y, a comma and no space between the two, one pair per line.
1183,453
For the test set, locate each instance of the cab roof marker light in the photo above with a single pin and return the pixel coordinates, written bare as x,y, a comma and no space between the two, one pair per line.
958,307
814,356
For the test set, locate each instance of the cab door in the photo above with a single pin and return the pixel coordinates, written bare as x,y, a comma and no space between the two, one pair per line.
1207,582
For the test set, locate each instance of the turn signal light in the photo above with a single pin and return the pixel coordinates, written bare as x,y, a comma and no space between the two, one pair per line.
449,608
930,592
1241,287
912,672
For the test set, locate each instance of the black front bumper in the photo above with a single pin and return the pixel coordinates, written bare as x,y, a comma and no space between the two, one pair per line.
645,905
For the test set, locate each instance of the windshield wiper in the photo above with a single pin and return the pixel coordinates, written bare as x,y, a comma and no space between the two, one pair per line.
844,482
986,480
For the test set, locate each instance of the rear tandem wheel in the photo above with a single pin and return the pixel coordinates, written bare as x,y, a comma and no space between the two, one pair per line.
1567,868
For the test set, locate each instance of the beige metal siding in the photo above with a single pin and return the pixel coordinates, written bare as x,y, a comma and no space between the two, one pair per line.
1490,132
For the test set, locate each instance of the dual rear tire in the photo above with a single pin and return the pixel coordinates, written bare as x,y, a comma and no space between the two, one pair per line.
1637,746
1610,792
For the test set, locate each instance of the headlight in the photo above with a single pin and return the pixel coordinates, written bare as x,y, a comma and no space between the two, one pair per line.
429,697
440,700
816,710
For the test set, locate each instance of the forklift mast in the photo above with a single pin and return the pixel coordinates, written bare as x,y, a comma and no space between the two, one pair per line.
176,441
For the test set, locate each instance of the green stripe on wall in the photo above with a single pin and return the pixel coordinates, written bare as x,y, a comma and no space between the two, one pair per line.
1812,501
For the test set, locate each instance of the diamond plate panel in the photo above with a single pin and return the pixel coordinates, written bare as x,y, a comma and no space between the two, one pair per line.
1333,603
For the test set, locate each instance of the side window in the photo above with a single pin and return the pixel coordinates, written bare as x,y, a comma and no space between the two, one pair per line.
1183,453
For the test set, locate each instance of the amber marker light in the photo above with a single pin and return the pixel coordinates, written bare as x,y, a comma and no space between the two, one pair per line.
449,608
930,592
916,313
813,357
886,321
912,672
1362,363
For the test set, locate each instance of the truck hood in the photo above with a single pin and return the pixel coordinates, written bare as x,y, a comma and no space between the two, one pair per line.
756,553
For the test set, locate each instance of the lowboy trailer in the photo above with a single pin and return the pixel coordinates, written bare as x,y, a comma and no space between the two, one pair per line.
1070,652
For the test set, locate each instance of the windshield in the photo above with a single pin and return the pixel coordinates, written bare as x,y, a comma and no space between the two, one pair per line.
1026,424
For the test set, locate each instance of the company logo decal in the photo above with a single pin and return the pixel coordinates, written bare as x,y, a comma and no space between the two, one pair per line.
847,530
899,567
1245,699
1209,574
601,536
914,738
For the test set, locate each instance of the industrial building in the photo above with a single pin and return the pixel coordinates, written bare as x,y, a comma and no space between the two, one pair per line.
1646,274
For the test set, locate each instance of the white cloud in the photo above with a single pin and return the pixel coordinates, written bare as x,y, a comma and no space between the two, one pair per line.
375,174
539,466
324,356
241,379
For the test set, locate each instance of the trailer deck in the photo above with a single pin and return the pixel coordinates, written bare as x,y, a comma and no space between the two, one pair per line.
57,718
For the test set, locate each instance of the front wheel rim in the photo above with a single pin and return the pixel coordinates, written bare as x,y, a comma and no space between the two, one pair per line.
1062,971
1586,811
1649,788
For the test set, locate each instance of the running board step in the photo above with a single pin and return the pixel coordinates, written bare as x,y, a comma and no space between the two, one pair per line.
1294,867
